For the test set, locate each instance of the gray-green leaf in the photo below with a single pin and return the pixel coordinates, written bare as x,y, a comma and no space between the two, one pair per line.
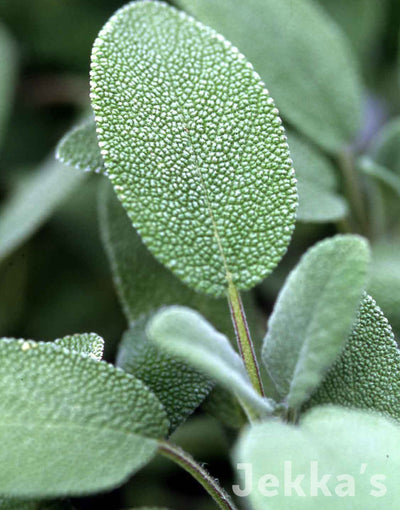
178,387
33,202
367,374
340,458
313,315
303,57
186,335
70,424
316,183
194,147
88,344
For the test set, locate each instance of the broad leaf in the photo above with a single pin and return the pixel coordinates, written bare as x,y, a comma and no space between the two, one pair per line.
89,344
7,77
367,374
316,182
194,147
336,459
303,57
313,315
79,148
70,424
186,335
33,202
178,387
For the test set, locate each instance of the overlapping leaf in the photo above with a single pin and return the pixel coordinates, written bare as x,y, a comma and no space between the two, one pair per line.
89,344
313,315
200,161
70,424
303,57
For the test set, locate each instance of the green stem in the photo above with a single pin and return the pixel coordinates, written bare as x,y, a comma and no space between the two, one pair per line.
245,343
186,461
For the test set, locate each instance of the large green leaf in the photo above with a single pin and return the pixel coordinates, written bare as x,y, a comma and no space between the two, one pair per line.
186,335
178,387
33,202
337,459
70,424
316,182
367,374
313,315
194,147
7,76
303,57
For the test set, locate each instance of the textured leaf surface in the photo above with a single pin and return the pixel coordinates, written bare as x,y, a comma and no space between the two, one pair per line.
316,183
89,344
367,374
8,68
185,334
70,424
33,202
303,57
79,148
313,315
178,387
200,161
338,442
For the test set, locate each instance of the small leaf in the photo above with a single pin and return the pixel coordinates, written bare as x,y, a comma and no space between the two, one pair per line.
369,167
367,374
178,387
79,148
313,315
8,66
33,202
186,335
194,147
340,458
89,344
385,148
303,57
70,424
316,183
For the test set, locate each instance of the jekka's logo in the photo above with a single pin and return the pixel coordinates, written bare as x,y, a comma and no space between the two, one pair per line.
314,483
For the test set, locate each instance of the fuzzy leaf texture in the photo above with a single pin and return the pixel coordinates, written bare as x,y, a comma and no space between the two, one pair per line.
70,424
88,344
200,161
302,55
319,450
314,314
367,374
178,387
186,335
33,202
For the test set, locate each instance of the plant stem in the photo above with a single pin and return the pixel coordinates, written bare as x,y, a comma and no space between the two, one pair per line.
186,461
245,343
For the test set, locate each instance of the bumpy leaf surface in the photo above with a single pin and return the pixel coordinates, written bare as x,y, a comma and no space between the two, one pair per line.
367,374
314,314
33,202
316,183
89,344
303,57
178,387
185,334
194,147
7,77
70,424
340,458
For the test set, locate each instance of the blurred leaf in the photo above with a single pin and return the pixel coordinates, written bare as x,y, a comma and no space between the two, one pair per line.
178,387
213,194
70,424
349,455
33,202
317,183
385,148
369,167
303,57
8,66
225,408
313,315
367,374
186,335
79,148
89,344
15,504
